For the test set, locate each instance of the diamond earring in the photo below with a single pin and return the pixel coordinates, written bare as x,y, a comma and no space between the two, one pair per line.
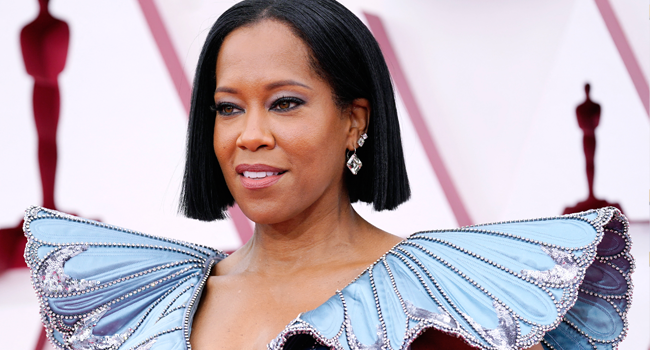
354,163
362,139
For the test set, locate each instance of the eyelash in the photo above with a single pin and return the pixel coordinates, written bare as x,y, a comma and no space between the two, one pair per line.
293,100
218,108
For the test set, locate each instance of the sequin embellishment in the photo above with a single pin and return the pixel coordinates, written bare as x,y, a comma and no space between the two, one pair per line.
53,279
84,339
157,280
445,273
355,344
430,261
441,318
565,270
503,337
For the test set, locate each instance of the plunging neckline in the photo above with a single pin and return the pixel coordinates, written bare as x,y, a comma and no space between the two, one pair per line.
212,264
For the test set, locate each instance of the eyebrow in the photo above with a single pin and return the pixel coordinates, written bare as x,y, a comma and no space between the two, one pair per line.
289,82
225,89
270,86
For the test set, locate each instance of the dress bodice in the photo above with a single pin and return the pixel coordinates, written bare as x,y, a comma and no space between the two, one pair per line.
562,281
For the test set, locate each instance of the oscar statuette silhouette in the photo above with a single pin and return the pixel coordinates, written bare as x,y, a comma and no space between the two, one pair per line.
44,44
588,114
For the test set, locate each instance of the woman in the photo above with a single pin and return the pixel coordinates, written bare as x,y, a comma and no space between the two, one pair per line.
293,117
277,112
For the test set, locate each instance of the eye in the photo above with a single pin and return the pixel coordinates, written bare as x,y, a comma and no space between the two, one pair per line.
286,103
225,109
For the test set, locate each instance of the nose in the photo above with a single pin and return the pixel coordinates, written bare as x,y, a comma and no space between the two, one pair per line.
256,133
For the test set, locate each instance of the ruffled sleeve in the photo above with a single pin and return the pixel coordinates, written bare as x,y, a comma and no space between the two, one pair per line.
598,319
104,287
562,281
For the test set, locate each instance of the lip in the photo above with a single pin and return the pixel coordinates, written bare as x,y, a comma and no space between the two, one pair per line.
254,184
257,168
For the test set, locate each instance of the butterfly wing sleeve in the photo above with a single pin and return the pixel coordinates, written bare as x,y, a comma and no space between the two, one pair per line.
561,281
104,287
598,319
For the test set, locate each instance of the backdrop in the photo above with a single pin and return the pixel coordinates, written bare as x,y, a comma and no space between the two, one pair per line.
487,93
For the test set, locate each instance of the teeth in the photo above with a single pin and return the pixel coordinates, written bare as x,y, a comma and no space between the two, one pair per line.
258,174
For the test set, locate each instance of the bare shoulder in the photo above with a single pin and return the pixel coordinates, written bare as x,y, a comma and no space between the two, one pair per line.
376,243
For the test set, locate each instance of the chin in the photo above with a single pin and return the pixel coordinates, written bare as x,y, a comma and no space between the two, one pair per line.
263,214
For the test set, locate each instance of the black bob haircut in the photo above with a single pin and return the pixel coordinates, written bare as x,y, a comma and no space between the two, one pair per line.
347,56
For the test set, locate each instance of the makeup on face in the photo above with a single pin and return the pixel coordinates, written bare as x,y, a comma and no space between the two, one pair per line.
279,135
258,176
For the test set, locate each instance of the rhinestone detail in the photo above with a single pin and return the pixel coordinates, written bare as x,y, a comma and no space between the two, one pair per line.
53,279
354,163
51,283
203,258
83,338
508,334
566,269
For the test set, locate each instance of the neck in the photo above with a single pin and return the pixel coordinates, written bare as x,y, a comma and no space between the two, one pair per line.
313,238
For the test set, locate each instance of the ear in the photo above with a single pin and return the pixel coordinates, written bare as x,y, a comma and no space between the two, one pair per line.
359,114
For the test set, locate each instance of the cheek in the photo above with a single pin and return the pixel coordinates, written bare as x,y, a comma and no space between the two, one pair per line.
223,144
318,148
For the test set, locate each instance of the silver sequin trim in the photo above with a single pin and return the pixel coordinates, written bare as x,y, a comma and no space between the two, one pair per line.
52,277
504,337
441,318
84,339
354,342
565,270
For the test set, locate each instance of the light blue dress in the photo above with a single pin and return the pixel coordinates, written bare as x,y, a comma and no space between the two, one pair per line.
563,281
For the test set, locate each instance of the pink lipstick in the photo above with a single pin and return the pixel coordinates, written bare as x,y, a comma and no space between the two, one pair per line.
258,176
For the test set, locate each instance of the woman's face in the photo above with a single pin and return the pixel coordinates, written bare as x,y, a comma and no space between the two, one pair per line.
279,136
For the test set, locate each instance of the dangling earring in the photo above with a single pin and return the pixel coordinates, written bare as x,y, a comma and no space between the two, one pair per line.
362,139
354,163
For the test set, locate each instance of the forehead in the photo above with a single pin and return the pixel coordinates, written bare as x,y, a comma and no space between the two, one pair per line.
265,51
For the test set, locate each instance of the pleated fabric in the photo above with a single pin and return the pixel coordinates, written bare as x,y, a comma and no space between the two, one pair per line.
562,281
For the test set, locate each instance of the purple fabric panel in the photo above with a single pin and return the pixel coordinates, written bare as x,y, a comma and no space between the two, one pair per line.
603,279
596,317
622,263
612,244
